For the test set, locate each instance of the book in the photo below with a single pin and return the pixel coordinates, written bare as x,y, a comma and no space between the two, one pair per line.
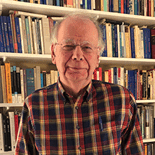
153,43
12,130
30,80
1,135
3,83
3,34
22,85
12,17
1,89
10,34
18,36
46,35
23,29
8,82
5,25
28,35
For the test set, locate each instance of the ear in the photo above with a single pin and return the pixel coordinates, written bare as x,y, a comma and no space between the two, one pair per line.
53,54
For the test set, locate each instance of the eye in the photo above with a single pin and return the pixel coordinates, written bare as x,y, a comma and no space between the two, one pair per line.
87,48
68,47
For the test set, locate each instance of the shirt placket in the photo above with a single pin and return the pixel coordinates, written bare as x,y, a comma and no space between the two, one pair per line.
78,127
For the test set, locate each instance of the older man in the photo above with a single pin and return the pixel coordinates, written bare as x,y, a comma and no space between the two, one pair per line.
78,115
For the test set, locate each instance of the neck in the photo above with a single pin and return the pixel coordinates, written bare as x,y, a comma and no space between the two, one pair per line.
75,88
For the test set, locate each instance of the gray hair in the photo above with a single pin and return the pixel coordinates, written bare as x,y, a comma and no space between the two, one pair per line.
82,16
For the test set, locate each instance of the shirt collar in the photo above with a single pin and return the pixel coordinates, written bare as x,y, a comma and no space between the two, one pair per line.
66,96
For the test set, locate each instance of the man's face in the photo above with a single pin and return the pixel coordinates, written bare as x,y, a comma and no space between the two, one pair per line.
76,64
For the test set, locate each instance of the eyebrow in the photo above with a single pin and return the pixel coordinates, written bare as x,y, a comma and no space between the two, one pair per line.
72,41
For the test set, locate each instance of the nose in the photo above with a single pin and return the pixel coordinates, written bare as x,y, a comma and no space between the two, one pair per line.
77,53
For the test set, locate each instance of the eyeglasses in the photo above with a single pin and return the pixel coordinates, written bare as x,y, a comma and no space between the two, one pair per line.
70,46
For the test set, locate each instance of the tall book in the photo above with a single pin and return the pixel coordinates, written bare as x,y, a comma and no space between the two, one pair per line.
3,83
153,43
30,80
8,82
28,35
10,34
46,35
1,135
12,17
12,130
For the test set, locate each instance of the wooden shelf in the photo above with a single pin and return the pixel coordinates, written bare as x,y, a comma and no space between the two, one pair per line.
151,140
105,62
128,63
145,101
11,104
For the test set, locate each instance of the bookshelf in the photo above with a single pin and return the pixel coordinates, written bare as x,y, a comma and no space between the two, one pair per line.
28,60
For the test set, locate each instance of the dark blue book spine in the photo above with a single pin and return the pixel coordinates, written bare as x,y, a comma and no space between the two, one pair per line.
42,1
113,40
5,27
10,34
116,41
1,39
110,5
83,2
135,85
125,6
149,44
132,42
89,4
105,41
18,35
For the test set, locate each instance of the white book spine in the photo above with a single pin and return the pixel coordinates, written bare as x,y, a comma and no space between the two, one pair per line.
12,130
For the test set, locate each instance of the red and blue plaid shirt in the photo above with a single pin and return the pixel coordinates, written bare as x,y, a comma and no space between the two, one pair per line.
102,121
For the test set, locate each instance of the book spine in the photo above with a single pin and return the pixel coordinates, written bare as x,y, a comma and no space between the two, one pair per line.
12,17
8,82
1,135
3,34
12,130
10,35
18,36
153,43
28,35
5,25
30,80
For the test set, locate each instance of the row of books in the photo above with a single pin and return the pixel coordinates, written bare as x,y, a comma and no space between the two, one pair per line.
134,7
124,40
149,149
17,83
147,120
140,82
9,124
22,32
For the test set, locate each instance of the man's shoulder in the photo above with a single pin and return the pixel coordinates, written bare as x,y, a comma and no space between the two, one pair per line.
100,85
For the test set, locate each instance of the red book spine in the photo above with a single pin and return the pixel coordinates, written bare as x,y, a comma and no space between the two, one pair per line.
95,74
16,125
153,43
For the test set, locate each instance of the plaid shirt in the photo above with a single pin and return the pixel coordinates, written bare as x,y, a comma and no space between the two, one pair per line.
102,121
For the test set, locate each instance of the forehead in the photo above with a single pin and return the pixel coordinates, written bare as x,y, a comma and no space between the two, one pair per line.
78,30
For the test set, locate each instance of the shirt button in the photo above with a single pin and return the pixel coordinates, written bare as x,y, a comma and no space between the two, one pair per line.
76,107
78,127
80,148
